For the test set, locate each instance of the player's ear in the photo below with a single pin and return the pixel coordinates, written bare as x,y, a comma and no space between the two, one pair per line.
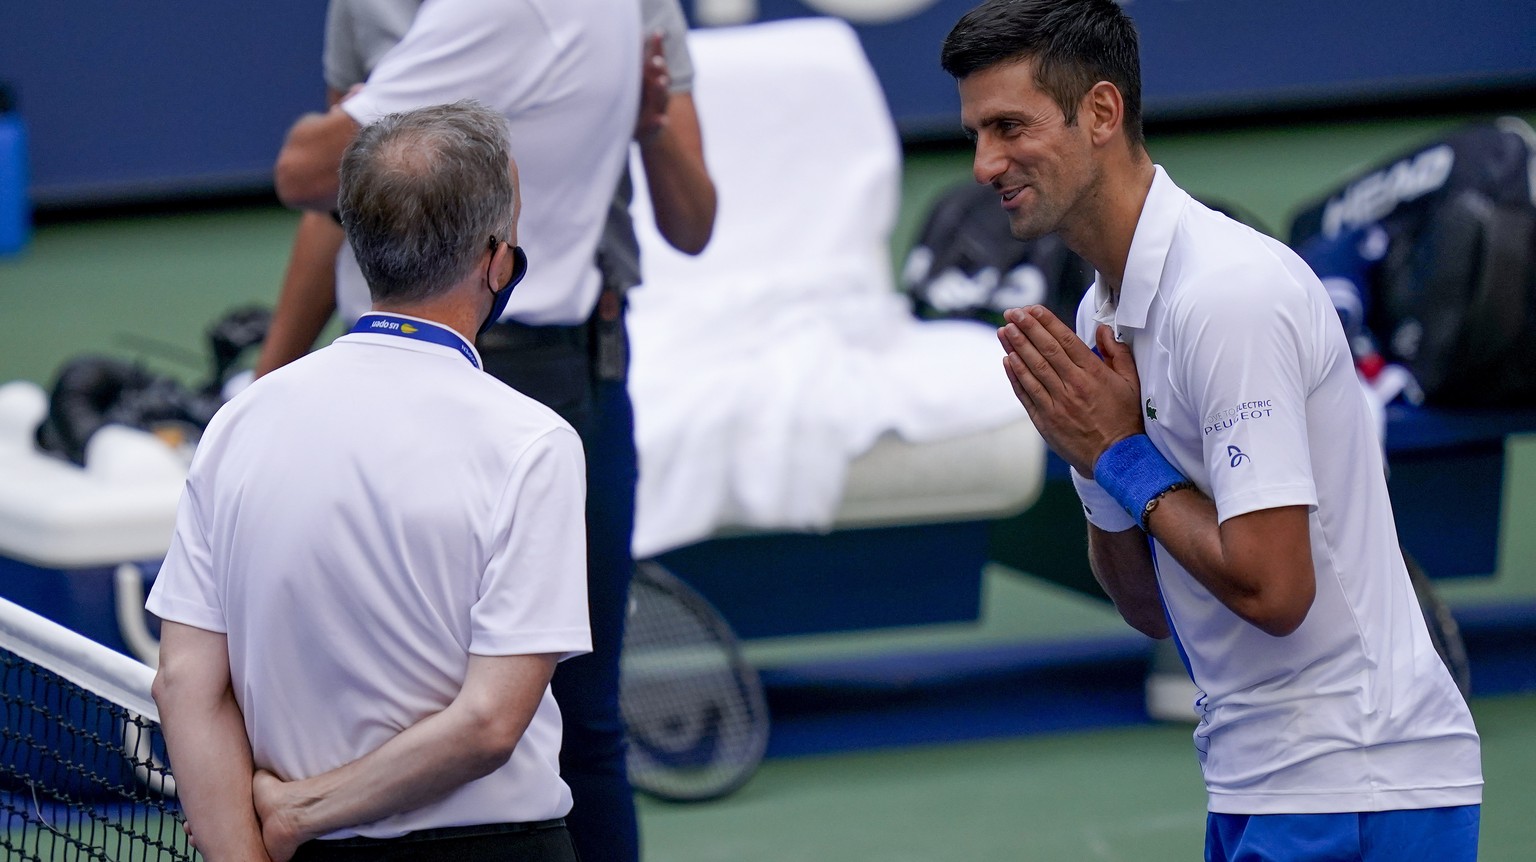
1103,111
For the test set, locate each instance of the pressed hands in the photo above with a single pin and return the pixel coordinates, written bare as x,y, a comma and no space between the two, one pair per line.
1080,404
1257,564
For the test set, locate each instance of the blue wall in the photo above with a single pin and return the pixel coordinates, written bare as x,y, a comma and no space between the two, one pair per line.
186,97
1204,58
165,98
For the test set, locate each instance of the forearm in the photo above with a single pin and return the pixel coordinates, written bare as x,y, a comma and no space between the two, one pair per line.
1258,565
206,743
306,174
422,764
308,295
682,193
213,766
1265,583
1122,564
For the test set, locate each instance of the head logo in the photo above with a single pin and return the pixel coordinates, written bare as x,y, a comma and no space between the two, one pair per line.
1151,411
407,328
1237,455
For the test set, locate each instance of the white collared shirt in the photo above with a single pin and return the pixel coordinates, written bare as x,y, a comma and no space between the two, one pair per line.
1249,389
566,75
359,522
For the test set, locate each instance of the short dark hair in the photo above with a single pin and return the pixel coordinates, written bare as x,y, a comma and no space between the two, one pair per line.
1073,44
422,192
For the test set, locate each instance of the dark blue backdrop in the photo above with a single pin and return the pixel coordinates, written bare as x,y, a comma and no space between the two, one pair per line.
166,98
1205,58
184,97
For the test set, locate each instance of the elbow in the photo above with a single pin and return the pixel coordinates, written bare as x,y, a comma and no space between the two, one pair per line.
285,180
1153,625
694,243
687,219
300,187
174,691
160,690
695,246
492,739
691,236
1278,613
167,682
1280,625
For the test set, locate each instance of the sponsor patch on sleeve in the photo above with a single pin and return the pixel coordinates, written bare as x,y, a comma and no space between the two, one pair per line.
1246,411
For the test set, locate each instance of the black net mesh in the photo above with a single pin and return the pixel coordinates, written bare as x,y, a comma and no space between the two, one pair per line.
80,777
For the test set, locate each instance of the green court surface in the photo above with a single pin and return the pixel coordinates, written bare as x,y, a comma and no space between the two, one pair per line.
147,287
1125,795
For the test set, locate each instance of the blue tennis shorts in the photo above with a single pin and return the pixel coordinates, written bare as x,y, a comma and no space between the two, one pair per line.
1424,835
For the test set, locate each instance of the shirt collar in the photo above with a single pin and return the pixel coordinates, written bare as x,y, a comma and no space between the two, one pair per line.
1149,252
448,341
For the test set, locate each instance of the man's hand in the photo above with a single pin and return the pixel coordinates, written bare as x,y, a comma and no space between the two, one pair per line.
469,739
655,90
1080,404
279,830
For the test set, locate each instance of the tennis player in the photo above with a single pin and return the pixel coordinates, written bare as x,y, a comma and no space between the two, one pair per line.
1226,461
380,554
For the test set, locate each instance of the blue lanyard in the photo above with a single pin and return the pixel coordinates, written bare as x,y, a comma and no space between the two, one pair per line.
379,323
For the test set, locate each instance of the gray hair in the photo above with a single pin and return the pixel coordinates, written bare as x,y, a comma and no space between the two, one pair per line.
422,193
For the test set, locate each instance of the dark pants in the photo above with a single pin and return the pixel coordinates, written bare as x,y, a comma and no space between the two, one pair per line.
559,374
503,842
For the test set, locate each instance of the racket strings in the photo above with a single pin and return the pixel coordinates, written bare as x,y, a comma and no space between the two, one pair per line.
694,708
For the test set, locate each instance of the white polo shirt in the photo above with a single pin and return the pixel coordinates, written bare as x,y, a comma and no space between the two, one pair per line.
359,522
1248,388
566,74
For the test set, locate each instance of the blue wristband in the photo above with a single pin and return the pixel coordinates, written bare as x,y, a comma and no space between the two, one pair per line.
1135,473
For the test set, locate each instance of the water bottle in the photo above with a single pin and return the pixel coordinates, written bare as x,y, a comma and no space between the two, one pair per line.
15,212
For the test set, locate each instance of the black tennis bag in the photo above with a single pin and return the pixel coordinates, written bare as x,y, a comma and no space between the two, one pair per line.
966,264
93,391
1448,285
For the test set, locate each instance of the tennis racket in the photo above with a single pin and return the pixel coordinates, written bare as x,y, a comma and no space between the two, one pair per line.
694,708
1443,630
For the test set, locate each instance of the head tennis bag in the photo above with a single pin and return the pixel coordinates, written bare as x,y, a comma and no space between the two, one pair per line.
966,264
1449,287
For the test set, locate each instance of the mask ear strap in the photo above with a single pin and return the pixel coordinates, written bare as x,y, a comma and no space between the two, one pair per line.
519,266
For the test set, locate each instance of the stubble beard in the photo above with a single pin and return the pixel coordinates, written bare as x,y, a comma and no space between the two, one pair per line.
1030,226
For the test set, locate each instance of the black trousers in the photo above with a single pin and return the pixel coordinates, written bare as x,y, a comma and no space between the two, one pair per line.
576,371
546,841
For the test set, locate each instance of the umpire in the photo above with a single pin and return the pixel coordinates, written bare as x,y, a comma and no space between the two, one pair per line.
379,556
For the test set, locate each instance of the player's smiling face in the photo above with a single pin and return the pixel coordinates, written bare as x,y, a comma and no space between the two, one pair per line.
1040,167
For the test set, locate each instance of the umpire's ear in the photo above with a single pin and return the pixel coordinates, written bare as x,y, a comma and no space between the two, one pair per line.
502,266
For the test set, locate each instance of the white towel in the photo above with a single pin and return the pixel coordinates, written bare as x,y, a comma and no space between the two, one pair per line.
763,367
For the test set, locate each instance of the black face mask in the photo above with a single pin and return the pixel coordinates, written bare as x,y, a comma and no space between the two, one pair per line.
499,304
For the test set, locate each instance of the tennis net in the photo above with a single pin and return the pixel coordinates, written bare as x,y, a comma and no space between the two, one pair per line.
82,760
